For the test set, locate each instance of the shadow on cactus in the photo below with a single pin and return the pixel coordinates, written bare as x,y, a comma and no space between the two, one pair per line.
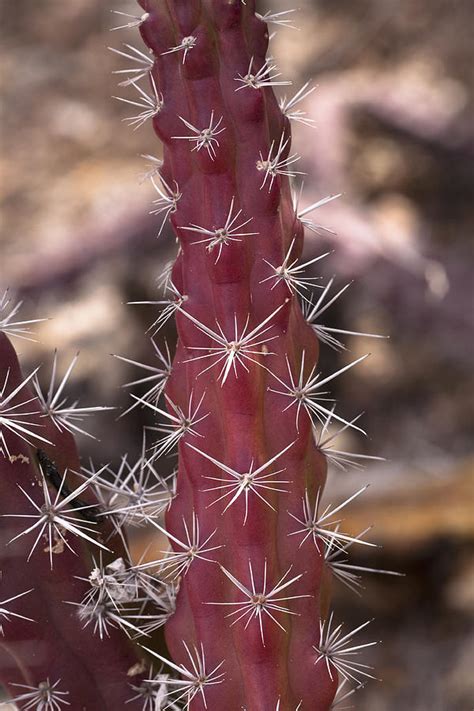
242,591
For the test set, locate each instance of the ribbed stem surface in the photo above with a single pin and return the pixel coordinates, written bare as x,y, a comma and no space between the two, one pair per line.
246,424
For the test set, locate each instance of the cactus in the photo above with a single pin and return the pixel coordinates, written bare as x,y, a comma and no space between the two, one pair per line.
45,656
243,590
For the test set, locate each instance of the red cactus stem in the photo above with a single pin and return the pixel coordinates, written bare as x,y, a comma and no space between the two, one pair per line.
43,646
243,589
248,611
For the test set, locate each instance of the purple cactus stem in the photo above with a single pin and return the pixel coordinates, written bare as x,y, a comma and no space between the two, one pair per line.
243,592
42,638
240,329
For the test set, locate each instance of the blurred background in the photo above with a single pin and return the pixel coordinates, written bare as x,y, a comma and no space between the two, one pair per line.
394,133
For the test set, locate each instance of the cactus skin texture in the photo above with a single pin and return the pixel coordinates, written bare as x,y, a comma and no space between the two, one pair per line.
246,422
52,643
